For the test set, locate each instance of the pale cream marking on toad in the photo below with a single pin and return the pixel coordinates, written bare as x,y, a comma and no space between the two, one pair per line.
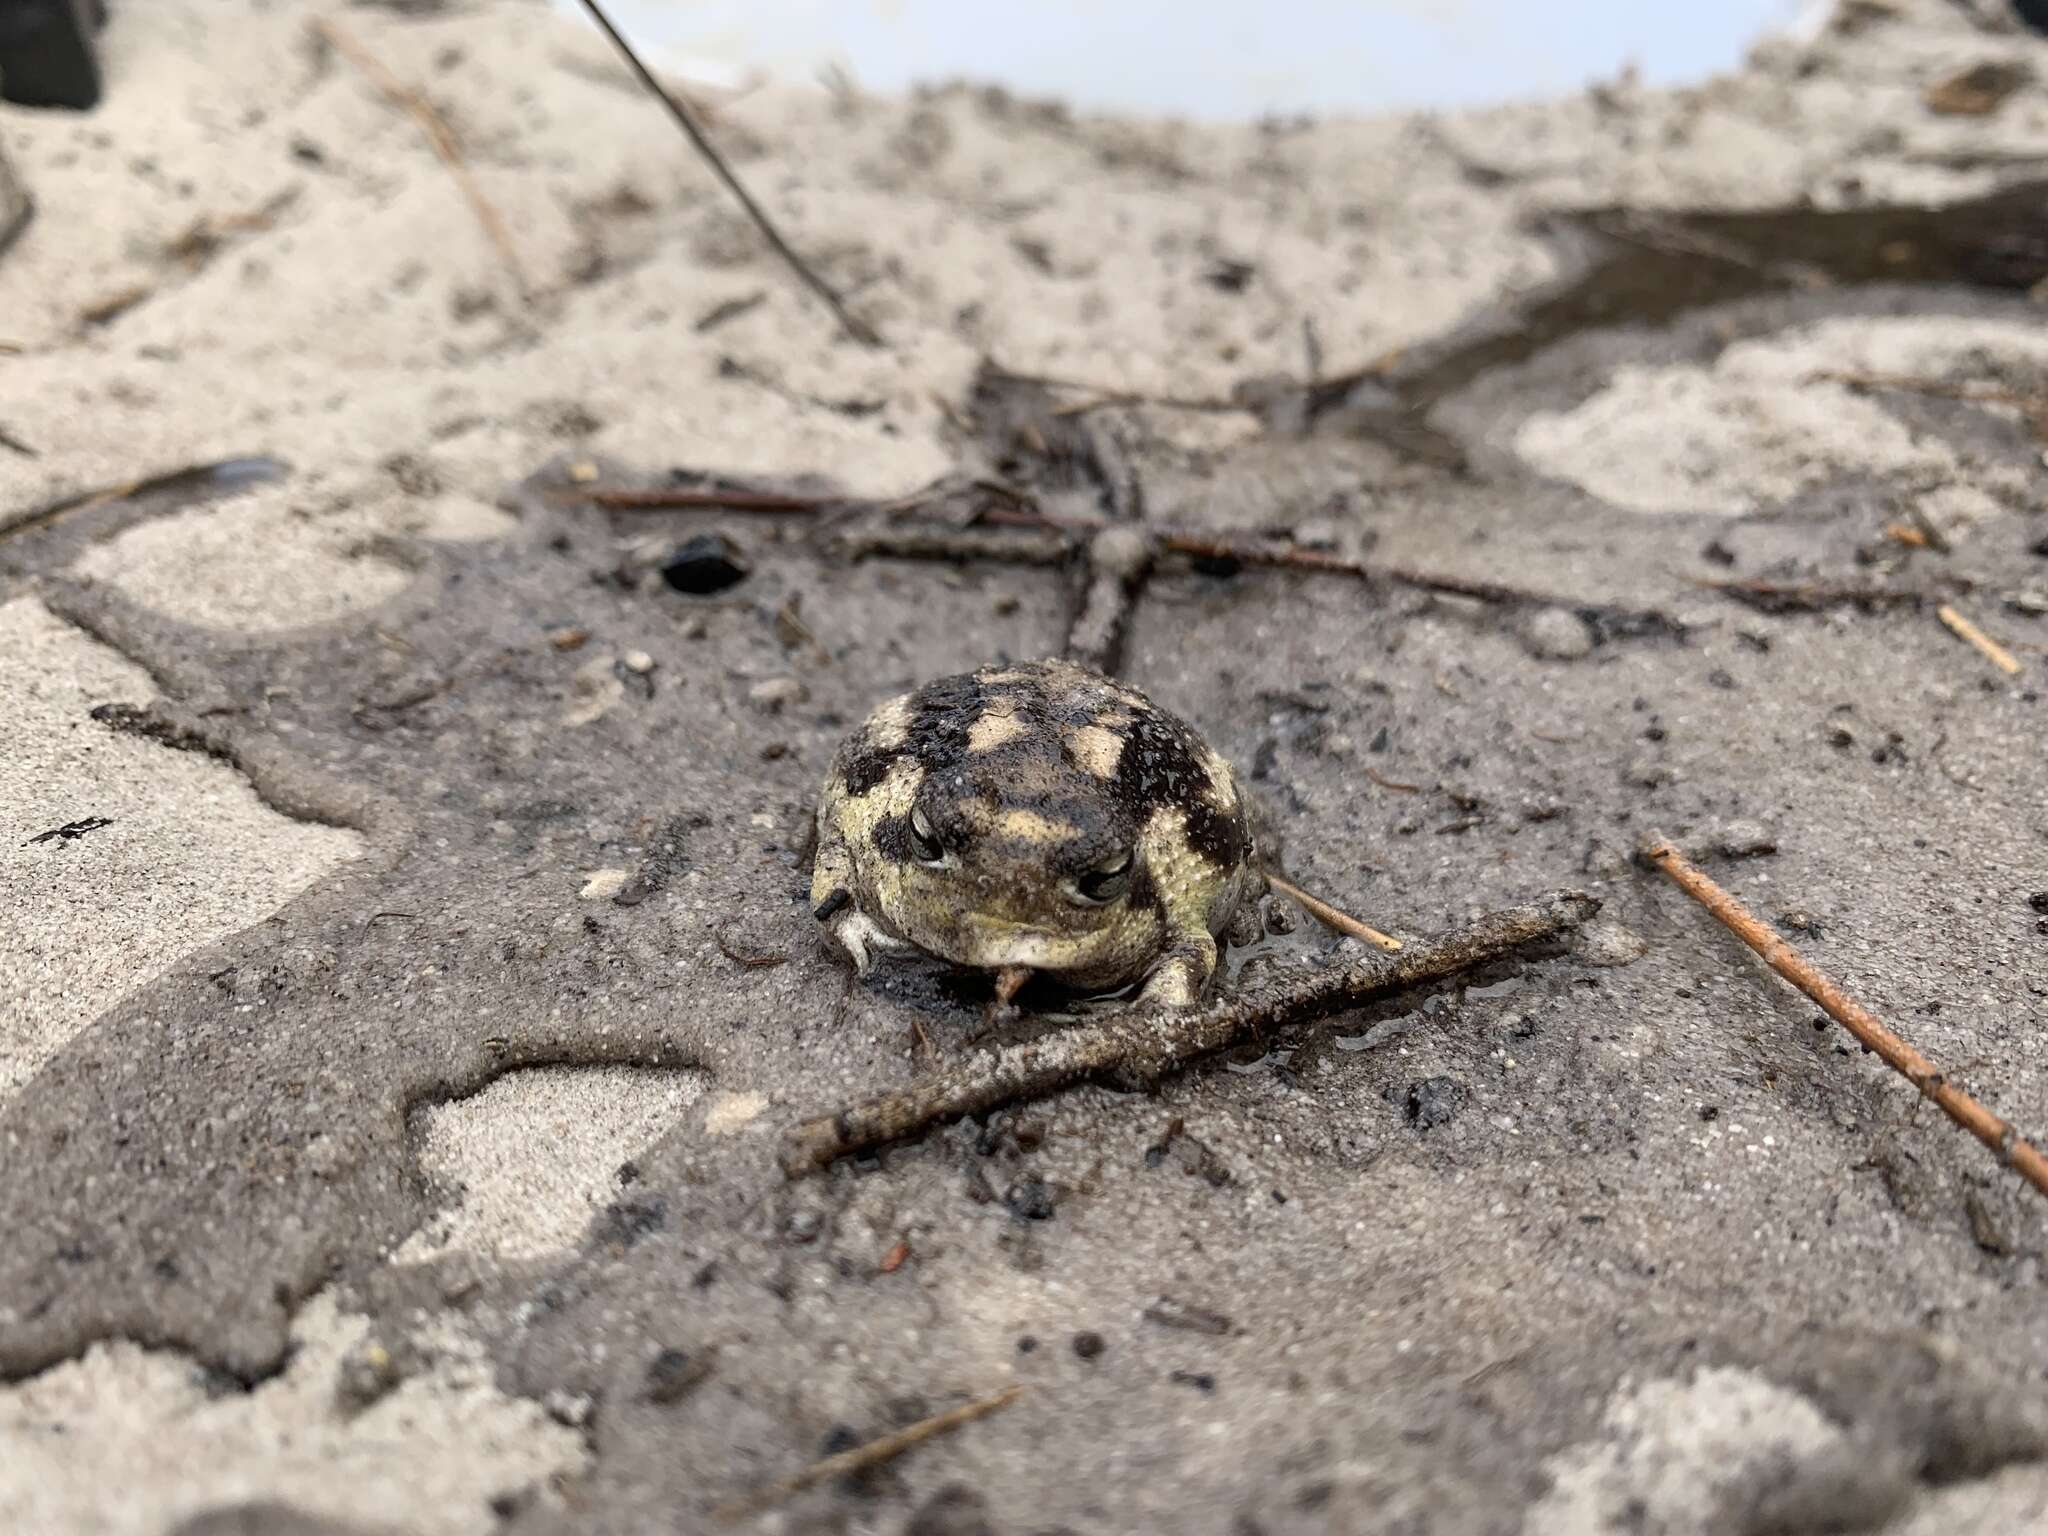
1008,675
1222,782
998,727
888,727
1031,827
1095,749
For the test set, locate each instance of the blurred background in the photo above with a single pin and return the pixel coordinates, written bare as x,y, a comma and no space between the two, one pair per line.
1212,59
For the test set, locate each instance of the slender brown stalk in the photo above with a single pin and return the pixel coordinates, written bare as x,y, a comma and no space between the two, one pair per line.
680,498
855,327
1323,912
1986,647
439,135
873,1454
1972,1116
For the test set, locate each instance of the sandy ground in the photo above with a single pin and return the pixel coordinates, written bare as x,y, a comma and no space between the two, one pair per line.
380,1159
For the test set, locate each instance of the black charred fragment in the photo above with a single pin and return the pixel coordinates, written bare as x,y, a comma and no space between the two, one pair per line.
71,831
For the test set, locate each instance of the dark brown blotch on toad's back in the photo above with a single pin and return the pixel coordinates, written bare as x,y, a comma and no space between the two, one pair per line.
1164,763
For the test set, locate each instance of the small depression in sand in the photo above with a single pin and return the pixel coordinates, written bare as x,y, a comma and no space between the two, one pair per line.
1763,422
127,1441
263,561
118,856
533,1155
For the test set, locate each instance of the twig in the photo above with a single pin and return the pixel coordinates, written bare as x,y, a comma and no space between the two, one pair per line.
1105,396
1973,1117
679,498
855,327
256,467
1780,596
1323,912
1395,785
1987,647
862,1457
439,135
1141,1046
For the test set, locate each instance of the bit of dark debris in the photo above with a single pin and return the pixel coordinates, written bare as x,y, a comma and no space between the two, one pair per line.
673,1374
1229,276
1168,1313
1089,1345
2038,901
144,720
625,1222
1201,1381
1434,1101
1190,1154
1031,1200
71,831
731,309
1984,1228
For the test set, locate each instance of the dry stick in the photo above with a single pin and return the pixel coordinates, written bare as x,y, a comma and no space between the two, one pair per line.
861,1457
1285,555
1989,648
1105,396
1323,912
857,328
1973,1117
1143,1045
439,134
676,498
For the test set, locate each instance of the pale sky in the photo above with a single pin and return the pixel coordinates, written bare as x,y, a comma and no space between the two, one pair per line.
1194,58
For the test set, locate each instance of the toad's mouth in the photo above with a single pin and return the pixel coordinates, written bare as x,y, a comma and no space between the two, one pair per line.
998,944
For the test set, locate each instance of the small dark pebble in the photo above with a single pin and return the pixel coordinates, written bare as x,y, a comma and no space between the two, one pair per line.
1434,1101
672,1374
1721,678
708,563
1710,1111
1088,1345
840,1438
1201,1381
1717,553
2040,547
1229,276
1030,1200
1168,1313
2038,901
1026,1344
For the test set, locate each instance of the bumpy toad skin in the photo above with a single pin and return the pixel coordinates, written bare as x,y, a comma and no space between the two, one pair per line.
1035,815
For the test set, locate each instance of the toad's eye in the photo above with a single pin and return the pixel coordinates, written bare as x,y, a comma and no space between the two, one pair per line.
1106,881
923,841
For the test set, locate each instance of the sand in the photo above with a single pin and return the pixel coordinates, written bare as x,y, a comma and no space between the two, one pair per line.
1494,1326
187,855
